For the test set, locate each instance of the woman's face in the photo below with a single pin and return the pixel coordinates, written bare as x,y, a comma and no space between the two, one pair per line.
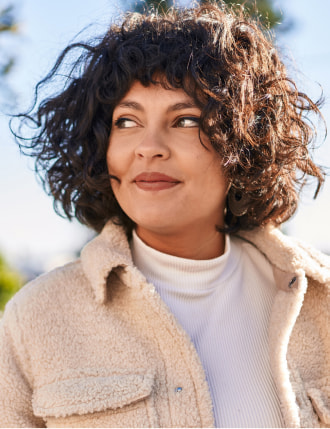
167,181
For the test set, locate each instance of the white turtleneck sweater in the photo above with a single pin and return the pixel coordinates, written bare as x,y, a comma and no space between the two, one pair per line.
224,305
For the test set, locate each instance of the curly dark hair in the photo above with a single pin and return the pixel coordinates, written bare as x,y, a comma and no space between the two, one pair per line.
253,114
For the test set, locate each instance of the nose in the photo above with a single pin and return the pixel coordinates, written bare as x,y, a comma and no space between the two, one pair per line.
152,145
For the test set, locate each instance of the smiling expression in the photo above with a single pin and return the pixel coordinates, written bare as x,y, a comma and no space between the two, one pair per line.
166,180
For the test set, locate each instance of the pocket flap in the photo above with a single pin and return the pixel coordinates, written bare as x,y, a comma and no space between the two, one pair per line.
90,394
321,404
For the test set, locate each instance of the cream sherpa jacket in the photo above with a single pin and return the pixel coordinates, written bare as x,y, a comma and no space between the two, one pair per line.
92,344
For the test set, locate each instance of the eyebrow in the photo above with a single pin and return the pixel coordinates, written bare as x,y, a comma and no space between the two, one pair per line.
130,104
181,106
174,107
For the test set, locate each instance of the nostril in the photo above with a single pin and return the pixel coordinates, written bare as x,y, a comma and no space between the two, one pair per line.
149,155
151,149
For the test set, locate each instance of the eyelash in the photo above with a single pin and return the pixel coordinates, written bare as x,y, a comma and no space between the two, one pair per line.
189,118
120,121
194,119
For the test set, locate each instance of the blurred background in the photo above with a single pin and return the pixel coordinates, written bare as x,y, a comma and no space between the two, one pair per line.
33,239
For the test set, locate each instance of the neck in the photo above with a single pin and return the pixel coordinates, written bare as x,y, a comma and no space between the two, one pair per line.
188,245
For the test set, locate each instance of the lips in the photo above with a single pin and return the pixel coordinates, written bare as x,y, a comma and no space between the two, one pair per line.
153,181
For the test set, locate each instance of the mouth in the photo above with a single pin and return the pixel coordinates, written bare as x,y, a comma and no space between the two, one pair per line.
155,181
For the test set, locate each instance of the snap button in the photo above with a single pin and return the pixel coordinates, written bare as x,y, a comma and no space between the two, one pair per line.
178,389
293,280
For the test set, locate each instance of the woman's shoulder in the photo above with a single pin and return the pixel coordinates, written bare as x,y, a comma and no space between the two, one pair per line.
55,289
74,285
289,254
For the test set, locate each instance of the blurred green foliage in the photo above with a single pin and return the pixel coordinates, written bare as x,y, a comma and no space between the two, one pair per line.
7,26
263,9
10,282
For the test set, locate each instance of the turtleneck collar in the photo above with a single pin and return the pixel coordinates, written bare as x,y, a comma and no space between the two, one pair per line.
110,249
172,272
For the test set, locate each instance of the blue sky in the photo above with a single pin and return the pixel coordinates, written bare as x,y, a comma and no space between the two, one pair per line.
30,230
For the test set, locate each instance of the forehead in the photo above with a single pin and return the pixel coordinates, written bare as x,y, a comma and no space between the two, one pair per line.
156,94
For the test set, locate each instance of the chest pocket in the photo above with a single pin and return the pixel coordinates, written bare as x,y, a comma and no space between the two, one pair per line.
112,401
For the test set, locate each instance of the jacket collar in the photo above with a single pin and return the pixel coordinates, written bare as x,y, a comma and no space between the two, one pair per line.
288,254
110,250
100,256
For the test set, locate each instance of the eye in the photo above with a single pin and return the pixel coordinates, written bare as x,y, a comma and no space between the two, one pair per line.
125,123
187,122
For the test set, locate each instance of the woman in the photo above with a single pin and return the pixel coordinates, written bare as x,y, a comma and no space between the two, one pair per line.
182,140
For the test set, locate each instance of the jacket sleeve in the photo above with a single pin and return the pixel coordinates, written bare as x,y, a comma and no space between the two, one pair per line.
15,391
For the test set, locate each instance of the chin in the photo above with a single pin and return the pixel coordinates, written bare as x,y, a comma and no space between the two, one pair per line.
154,218
157,225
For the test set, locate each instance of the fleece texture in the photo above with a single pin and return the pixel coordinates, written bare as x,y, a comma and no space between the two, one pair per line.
92,344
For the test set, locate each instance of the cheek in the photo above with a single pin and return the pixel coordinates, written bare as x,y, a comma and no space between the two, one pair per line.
216,185
118,168
210,165
112,162
113,158
109,155
119,156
